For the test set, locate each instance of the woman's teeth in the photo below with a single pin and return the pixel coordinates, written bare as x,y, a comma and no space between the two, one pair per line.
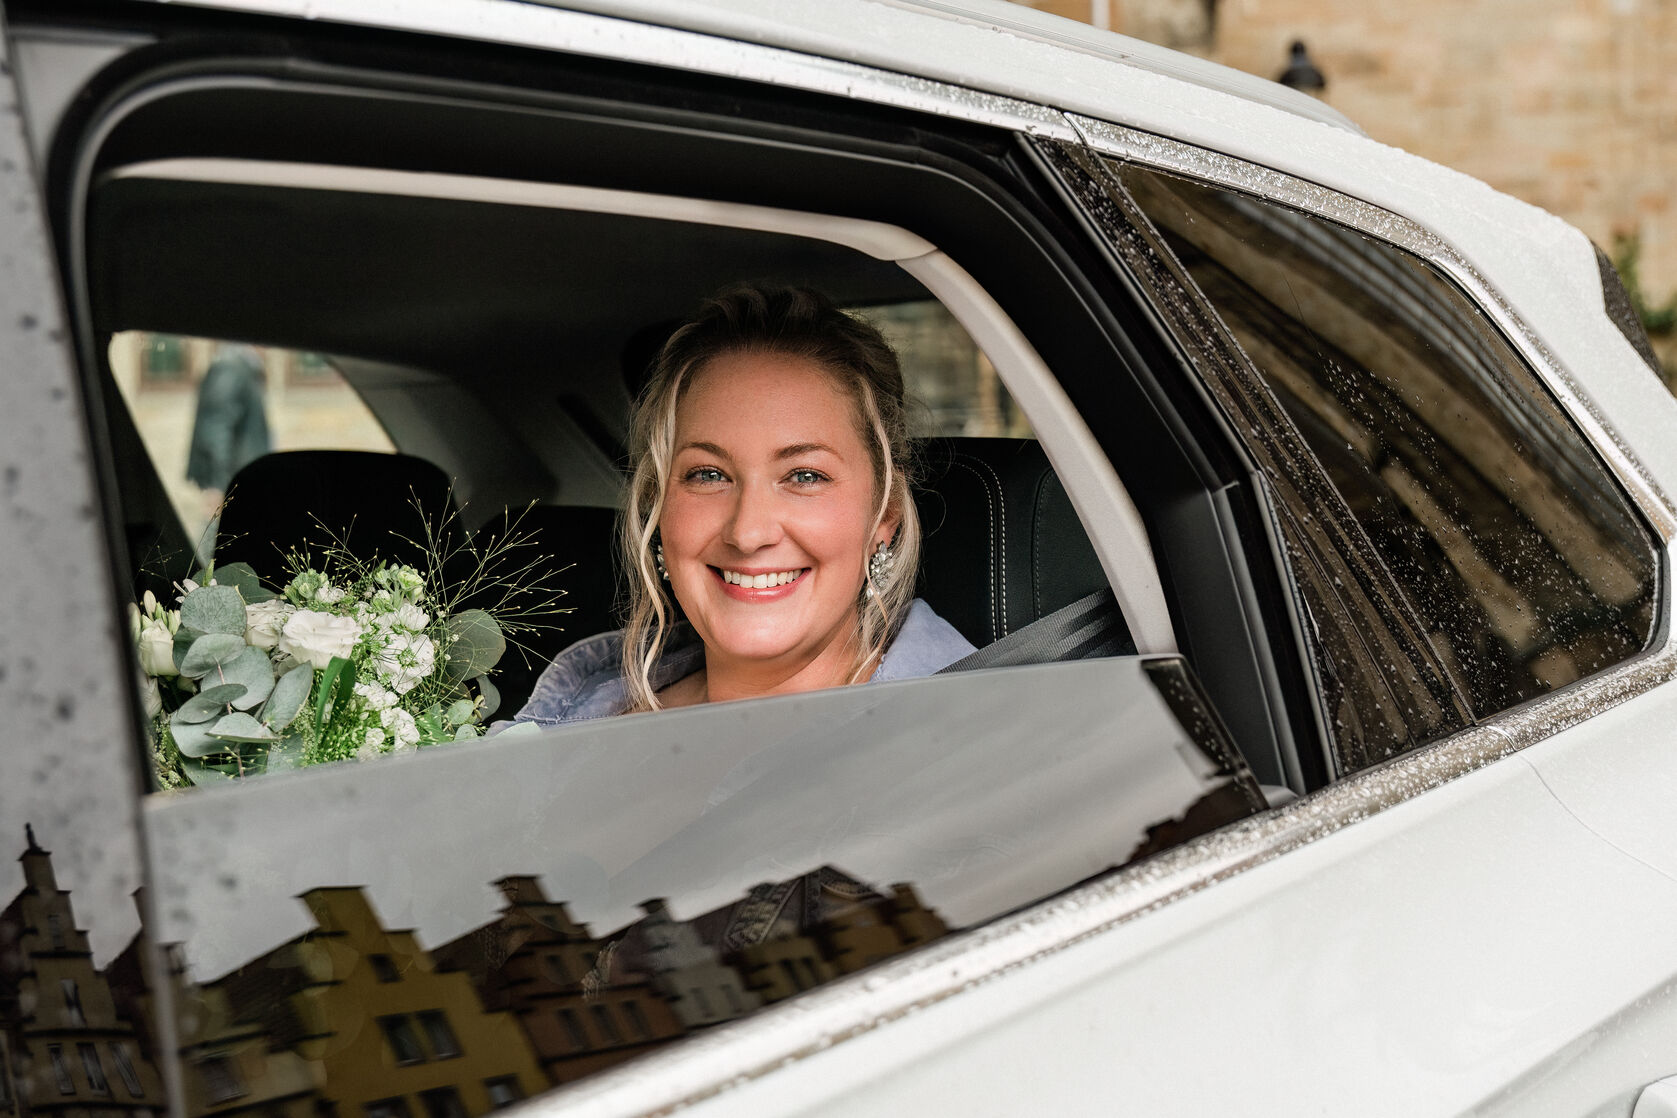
759,582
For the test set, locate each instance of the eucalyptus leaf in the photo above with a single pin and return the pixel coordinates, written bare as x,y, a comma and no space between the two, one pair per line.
209,652
183,644
474,645
460,712
253,669
244,579
519,729
214,609
201,774
291,691
208,704
193,739
241,727
491,695
467,732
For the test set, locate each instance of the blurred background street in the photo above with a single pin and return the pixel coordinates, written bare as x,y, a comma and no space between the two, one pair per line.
1568,104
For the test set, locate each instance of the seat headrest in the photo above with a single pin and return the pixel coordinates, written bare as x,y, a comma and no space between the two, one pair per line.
1002,544
375,504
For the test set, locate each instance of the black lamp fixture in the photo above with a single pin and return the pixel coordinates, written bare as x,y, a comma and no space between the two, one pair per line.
1301,72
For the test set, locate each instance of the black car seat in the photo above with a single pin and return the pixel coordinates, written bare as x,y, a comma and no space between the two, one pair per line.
567,548
1003,546
373,504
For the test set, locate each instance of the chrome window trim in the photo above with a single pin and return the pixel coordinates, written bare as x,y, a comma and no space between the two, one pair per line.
533,25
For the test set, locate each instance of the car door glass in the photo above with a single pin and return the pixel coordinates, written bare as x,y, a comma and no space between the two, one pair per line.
1508,539
538,906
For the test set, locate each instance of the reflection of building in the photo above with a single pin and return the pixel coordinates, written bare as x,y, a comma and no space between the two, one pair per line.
386,1034
540,964
64,1050
350,1020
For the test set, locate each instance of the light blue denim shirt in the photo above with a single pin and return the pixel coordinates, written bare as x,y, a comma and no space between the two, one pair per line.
586,680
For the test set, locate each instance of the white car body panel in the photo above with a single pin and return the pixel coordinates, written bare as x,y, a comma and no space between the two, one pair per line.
1500,941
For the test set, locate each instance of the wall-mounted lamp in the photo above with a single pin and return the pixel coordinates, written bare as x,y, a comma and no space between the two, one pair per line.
1301,72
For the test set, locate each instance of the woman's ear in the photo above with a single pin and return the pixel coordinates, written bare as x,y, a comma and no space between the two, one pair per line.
889,524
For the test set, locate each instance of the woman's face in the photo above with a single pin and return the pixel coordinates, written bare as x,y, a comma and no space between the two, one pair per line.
768,517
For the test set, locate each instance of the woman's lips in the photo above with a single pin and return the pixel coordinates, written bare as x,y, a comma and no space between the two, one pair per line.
758,586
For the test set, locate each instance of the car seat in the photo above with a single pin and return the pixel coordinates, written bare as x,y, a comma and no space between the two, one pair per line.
374,504
1003,546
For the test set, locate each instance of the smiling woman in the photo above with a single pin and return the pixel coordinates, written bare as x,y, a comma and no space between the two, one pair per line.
771,495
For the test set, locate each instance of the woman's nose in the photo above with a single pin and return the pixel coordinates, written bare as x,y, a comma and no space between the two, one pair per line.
754,522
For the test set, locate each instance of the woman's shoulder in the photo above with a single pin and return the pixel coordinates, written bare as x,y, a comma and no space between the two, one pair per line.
925,645
584,681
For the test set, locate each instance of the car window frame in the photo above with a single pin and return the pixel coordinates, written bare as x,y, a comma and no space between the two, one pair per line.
1522,724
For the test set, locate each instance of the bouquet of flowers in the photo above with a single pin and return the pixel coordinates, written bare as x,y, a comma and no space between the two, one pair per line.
350,660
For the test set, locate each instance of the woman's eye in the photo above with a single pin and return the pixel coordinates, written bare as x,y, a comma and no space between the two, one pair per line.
705,475
806,477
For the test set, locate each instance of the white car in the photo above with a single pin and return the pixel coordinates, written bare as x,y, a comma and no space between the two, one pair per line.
1308,503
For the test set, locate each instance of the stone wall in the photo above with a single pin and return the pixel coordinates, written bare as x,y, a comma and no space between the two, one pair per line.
1568,104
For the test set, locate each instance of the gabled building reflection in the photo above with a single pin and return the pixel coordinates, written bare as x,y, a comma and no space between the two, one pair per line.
64,1047
354,1020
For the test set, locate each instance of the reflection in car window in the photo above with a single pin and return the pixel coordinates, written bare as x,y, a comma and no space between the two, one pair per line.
297,401
494,919
946,374
1504,532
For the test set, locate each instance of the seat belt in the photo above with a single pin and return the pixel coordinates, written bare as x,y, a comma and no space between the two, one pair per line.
1090,627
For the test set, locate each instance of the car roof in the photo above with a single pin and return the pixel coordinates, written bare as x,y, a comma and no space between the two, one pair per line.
937,39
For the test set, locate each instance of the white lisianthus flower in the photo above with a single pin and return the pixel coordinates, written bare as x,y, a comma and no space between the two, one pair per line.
403,730
406,617
265,621
157,649
316,637
375,697
406,660
371,745
330,595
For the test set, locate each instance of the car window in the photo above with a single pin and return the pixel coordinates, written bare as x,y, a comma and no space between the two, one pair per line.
199,431
1478,509
641,877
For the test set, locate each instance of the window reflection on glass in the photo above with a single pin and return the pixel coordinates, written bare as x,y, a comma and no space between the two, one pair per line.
946,373
404,1043
1505,533
94,1069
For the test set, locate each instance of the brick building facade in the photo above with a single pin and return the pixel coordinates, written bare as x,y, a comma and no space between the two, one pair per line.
1567,104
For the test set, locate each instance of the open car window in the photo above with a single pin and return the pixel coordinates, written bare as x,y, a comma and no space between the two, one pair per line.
570,898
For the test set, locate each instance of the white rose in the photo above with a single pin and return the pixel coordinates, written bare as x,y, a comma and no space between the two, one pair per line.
157,651
316,637
265,621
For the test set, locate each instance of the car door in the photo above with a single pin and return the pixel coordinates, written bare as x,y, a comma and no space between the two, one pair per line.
1293,954
70,1033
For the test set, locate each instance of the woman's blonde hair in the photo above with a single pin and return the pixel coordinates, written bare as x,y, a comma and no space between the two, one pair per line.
797,323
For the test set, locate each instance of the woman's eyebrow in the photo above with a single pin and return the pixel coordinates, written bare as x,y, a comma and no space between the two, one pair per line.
798,450
707,448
